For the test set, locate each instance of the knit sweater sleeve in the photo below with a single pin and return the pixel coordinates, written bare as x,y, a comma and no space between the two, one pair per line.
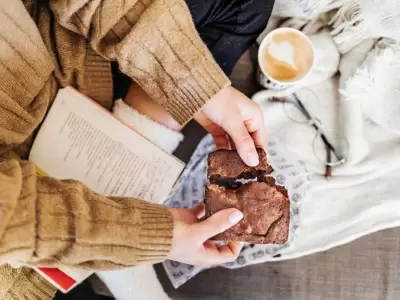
45,221
155,43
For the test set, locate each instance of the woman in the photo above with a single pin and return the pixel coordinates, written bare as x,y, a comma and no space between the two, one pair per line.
46,45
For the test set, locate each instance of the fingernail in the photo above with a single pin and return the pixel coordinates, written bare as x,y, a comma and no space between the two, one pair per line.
252,159
235,217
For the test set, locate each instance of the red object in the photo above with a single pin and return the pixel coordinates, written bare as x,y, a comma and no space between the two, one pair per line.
62,279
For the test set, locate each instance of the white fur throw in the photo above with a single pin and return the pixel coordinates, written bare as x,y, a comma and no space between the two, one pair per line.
376,86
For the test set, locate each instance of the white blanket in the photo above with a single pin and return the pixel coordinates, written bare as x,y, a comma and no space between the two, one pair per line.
361,197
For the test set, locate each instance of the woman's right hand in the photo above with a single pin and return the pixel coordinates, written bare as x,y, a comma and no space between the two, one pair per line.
191,236
231,113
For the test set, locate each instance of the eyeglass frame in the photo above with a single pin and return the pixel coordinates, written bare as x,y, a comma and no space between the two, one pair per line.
317,125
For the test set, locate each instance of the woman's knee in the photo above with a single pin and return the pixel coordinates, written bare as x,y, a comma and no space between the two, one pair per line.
255,15
262,5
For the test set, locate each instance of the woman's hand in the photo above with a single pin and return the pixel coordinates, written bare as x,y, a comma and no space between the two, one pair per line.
230,113
191,244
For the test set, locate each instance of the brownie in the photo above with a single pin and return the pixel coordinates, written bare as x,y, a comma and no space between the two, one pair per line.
227,164
265,205
265,209
271,182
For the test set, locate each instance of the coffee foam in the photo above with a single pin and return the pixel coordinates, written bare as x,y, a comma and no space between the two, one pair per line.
282,51
287,57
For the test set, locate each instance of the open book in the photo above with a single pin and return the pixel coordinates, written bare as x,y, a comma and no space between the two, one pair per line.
80,140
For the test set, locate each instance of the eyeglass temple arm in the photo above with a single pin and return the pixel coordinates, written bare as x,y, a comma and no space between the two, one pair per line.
328,167
323,136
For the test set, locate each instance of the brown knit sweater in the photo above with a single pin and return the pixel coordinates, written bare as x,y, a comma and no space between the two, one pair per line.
45,45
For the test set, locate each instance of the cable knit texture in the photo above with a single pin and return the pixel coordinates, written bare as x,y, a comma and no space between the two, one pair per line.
45,45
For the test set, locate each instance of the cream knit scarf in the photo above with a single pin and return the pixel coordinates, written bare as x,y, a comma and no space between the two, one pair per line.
357,20
303,9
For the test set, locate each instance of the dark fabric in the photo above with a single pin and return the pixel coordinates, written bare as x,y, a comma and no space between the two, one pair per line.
83,291
121,82
229,27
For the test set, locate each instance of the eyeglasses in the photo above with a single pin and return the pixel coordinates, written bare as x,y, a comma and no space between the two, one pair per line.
329,146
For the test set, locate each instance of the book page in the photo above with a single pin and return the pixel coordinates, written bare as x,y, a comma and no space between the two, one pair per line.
82,141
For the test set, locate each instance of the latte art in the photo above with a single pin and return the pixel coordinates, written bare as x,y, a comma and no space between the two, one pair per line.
287,56
283,52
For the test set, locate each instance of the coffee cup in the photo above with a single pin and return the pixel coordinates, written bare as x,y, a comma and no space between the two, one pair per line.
285,58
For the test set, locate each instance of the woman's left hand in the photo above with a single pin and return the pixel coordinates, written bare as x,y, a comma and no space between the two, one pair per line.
191,242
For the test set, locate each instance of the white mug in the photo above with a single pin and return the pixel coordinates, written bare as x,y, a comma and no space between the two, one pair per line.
267,80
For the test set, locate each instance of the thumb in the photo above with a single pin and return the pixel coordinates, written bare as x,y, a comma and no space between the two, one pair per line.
244,143
217,223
